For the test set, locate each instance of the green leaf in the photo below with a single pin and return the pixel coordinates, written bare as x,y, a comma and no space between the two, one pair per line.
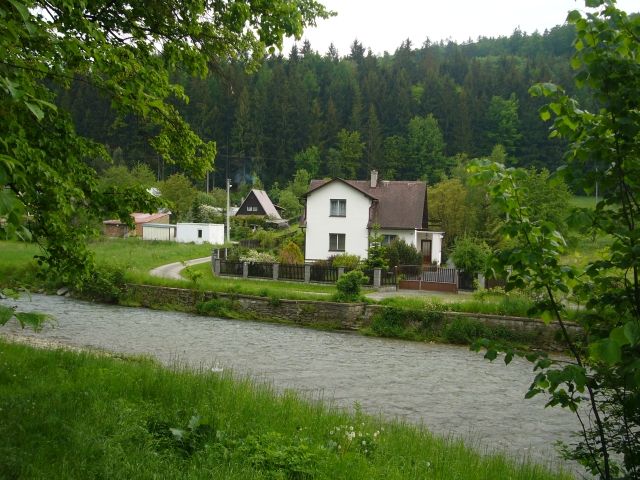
35,109
618,335
6,313
632,332
491,355
606,350
32,319
21,8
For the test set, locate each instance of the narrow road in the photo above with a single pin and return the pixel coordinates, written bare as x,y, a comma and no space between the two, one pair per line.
172,270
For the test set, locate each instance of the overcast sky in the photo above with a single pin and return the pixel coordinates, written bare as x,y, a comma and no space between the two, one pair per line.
383,25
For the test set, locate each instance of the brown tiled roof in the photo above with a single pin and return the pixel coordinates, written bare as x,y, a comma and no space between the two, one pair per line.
397,204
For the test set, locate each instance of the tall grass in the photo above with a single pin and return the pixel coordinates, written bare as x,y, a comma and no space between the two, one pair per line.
77,415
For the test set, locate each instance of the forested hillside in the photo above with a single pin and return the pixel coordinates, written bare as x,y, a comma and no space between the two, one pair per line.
409,114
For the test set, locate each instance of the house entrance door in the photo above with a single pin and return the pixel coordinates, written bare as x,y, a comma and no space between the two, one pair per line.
425,248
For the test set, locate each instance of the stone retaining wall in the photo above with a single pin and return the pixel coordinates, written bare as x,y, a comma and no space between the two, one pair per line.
345,316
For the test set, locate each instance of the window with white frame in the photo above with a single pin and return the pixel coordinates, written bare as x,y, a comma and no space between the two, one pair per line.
336,242
252,208
387,239
338,208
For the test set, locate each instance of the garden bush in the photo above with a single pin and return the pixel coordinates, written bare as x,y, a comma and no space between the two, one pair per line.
349,286
346,260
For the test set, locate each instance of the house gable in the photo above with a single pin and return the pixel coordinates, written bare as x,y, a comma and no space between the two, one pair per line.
258,202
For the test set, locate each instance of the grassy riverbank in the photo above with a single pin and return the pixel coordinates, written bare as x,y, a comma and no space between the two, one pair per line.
77,415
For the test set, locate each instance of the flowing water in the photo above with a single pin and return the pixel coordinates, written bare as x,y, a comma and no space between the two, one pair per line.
451,390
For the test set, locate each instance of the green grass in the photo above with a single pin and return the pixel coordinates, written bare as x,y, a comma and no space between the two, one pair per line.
77,415
139,255
511,304
580,201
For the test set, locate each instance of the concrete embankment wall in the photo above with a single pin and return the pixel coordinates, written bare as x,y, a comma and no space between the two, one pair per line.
346,316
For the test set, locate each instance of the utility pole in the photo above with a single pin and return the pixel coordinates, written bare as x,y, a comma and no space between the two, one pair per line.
228,211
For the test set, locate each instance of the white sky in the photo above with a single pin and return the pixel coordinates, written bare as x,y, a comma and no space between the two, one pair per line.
383,25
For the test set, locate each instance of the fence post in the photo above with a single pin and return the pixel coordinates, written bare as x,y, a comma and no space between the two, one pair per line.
481,281
216,267
340,271
307,273
276,271
377,277
245,269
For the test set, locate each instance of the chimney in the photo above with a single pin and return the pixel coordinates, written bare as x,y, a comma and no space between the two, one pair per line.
374,178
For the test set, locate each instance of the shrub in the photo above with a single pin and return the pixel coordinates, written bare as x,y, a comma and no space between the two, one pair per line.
345,260
260,257
349,286
267,239
291,254
105,284
407,323
400,252
470,254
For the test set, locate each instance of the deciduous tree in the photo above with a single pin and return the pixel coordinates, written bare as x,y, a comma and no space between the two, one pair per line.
126,51
603,379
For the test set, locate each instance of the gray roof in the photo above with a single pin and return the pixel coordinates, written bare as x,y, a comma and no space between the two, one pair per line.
397,204
266,203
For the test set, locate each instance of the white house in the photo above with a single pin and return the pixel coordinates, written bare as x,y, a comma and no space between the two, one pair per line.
340,215
200,233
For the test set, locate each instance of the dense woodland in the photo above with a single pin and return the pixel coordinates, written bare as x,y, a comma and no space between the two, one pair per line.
410,114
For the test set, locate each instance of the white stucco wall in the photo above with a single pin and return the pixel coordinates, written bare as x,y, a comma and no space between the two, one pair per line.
436,246
211,233
408,236
320,224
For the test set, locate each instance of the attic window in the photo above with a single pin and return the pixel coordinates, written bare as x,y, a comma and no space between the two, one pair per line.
252,208
338,208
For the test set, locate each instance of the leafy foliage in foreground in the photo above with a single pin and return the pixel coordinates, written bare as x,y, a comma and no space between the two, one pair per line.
604,376
76,416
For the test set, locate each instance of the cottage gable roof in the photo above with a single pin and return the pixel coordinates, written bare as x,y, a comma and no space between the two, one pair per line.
264,201
396,204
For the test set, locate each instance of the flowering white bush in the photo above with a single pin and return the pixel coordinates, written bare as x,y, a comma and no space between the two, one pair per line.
260,257
345,438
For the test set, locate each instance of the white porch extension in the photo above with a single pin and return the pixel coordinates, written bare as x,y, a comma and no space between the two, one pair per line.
430,245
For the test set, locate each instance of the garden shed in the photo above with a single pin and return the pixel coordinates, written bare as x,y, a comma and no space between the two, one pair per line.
200,233
159,231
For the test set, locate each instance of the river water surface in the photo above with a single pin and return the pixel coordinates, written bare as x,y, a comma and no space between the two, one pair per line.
451,390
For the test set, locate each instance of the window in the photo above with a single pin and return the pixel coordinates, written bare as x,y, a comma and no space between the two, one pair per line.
252,208
387,239
336,242
338,208
199,233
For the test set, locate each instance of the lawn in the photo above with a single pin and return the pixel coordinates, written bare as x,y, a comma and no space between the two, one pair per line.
77,415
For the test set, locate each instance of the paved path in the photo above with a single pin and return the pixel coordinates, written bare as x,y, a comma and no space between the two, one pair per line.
173,270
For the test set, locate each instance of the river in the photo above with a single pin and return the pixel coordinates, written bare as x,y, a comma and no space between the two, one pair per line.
451,390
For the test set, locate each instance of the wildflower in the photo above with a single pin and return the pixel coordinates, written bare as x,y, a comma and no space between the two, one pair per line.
331,432
364,442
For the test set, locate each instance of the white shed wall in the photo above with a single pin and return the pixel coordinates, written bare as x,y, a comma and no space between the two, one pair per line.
320,224
211,233
156,232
